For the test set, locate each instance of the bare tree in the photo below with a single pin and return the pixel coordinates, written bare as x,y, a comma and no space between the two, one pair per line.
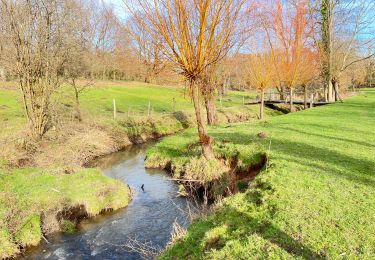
347,28
288,32
261,75
194,34
106,27
77,65
148,50
37,32
73,71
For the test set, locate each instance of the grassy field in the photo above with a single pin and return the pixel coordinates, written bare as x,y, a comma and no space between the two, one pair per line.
35,202
136,97
100,133
34,190
97,102
98,99
314,200
12,116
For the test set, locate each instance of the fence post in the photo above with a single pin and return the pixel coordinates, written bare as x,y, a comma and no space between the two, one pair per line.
114,108
312,100
149,107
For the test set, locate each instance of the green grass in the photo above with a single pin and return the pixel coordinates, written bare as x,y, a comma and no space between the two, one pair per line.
181,151
12,116
30,199
315,200
27,195
136,96
132,98
98,99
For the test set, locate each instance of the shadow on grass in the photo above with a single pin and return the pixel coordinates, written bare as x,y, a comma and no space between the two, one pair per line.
329,137
241,225
274,235
325,126
354,169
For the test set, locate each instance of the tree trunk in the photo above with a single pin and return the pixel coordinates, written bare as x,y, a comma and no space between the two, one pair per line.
261,110
291,100
226,87
336,90
326,14
281,90
36,102
209,101
204,139
325,92
330,90
78,110
334,86
305,96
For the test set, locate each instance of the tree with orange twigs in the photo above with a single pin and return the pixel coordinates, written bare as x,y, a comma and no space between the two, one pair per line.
261,75
308,70
194,35
288,30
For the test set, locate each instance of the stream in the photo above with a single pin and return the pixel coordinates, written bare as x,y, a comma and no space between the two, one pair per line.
148,217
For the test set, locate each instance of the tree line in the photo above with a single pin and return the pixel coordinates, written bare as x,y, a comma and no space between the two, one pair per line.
318,45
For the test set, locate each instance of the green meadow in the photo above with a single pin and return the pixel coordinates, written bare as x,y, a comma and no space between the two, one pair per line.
32,201
314,198
29,194
133,98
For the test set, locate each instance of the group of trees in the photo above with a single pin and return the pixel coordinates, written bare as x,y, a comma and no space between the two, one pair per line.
347,38
45,43
290,44
210,44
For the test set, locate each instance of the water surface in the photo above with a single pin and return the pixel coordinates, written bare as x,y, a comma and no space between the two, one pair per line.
149,216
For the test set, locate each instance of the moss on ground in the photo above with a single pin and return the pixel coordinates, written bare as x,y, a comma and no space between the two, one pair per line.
315,200
28,195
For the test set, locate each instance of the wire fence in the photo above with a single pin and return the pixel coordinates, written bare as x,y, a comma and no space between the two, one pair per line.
121,110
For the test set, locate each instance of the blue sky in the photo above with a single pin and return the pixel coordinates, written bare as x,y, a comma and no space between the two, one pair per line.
118,6
115,2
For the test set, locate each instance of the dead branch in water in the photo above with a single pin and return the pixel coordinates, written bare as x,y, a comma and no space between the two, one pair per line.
174,179
145,249
177,233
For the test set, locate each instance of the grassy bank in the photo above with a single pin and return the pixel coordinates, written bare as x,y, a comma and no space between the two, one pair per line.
314,200
37,196
35,202
144,112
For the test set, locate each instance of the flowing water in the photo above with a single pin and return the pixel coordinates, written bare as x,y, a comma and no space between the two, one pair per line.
148,218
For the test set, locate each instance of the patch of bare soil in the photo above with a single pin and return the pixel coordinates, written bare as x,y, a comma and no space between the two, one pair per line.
247,175
233,181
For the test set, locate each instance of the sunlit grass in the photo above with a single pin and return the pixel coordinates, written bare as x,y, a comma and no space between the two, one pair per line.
28,195
315,200
132,98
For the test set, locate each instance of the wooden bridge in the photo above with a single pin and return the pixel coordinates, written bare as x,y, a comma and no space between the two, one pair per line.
296,102
275,98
